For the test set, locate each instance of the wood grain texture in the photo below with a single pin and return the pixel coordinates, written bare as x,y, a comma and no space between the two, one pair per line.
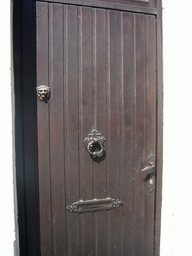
71,124
127,119
151,121
124,5
99,115
56,81
86,121
44,131
101,67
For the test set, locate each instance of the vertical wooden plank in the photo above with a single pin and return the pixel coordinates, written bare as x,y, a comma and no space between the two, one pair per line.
108,103
140,138
99,113
81,145
86,124
113,148
127,142
100,95
86,102
43,131
56,127
94,114
150,125
121,121
71,125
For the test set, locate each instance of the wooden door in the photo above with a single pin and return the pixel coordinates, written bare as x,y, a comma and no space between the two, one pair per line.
100,65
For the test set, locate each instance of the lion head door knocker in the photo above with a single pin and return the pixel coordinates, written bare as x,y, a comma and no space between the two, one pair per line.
95,143
43,92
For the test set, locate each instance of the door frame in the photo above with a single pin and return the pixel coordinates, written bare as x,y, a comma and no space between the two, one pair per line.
24,62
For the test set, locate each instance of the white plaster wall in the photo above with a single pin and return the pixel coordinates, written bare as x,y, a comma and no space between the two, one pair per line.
177,169
7,227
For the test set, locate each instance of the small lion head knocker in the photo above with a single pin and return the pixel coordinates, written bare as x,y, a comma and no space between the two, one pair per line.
43,92
95,143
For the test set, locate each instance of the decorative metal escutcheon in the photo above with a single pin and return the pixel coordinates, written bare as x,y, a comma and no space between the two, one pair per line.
95,143
94,205
43,92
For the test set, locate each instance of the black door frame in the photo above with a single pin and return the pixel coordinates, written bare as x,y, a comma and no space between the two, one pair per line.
24,60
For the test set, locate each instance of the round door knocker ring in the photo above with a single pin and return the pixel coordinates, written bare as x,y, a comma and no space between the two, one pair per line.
95,143
95,148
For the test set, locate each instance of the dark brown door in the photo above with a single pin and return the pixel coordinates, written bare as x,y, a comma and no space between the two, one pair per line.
100,64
